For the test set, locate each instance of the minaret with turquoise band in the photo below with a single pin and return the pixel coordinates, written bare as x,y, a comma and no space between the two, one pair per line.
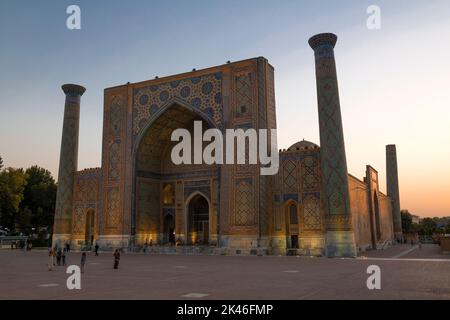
68,159
340,238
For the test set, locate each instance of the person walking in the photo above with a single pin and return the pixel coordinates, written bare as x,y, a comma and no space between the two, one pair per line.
96,248
83,261
50,259
63,256
58,257
116,259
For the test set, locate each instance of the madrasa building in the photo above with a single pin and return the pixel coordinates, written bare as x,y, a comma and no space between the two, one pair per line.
311,206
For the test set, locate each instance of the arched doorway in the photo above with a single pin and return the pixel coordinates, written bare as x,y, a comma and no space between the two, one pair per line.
156,176
292,227
198,220
89,227
169,229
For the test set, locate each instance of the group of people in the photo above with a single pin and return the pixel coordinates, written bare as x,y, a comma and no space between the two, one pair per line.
62,254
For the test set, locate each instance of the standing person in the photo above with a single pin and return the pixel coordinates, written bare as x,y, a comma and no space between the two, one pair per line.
96,248
68,247
116,259
58,257
145,246
83,261
63,256
420,245
50,259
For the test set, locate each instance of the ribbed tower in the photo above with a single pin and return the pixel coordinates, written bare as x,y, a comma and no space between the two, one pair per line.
393,189
68,160
340,239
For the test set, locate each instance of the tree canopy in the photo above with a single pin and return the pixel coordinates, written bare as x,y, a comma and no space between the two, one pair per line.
27,199
12,185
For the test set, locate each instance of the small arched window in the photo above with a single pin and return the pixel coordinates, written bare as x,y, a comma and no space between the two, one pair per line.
168,194
293,218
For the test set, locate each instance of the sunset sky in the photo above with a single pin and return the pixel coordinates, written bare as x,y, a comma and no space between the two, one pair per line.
393,82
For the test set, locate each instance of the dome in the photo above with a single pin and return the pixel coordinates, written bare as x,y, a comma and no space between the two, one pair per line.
303,145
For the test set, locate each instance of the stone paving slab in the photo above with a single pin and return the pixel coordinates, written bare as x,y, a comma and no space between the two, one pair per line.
24,275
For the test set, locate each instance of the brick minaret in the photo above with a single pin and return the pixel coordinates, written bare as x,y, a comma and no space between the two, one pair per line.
392,188
340,239
67,164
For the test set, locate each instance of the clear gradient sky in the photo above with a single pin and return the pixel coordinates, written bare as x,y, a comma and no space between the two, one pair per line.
394,82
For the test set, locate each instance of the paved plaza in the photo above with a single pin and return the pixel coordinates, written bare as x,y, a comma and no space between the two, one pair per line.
406,273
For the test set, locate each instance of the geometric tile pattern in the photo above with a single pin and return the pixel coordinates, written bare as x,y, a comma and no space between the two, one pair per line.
310,173
67,162
244,208
333,160
311,212
115,120
202,186
289,176
114,160
112,207
85,196
244,94
78,220
203,93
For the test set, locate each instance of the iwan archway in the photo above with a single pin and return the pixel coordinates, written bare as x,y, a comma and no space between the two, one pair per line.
162,188
198,219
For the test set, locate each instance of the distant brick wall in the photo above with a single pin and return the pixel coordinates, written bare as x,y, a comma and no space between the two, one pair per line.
445,244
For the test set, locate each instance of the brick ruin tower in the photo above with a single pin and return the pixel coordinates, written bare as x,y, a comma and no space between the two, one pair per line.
392,188
340,238
68,160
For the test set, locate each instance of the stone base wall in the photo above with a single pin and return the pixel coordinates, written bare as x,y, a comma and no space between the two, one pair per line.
340,244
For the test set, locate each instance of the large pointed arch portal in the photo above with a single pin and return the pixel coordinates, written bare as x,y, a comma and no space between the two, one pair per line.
153,216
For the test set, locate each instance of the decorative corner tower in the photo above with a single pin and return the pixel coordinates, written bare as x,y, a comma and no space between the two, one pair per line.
340,238
392,188
68,160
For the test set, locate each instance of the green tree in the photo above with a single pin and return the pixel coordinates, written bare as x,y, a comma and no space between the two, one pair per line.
447,228
407,226
12,184
39,198
428,226
24,221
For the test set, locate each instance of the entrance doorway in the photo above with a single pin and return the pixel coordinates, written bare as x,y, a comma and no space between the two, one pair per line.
89,228
198,220
169,229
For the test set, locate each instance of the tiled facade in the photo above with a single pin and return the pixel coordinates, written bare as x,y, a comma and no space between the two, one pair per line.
139,196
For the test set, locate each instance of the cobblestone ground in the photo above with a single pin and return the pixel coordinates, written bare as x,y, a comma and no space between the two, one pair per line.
406,273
